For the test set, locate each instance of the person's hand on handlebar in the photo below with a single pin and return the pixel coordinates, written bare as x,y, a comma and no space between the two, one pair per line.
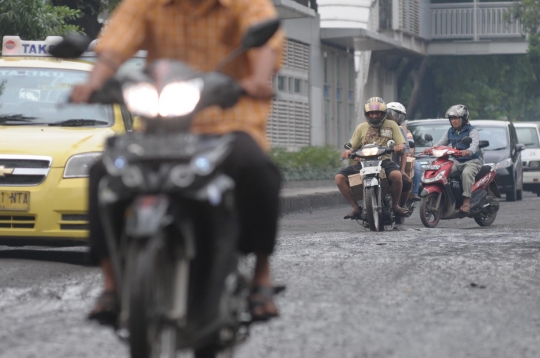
464,153
346,154
426,151
257,88
399,148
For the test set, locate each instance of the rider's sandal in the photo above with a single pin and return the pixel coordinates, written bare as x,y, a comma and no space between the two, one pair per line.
259,299
353,215
465,208
401,212
106,310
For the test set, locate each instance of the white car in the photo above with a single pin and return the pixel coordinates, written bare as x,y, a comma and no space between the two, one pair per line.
529,134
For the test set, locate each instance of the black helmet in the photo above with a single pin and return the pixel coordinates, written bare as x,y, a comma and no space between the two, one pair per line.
375,104
460,111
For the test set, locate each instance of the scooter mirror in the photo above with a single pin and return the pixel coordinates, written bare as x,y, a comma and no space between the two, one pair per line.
347,146
390,143
466,140
257,35
428,137
72,46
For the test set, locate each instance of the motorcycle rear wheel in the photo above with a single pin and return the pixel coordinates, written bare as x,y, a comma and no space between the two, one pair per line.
428,215
151,292
370,201
488,219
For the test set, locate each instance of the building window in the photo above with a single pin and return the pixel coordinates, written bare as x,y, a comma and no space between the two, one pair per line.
306,87
297,85
281,83
291,84
352,73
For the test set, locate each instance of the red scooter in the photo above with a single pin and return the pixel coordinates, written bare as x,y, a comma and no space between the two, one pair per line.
442,192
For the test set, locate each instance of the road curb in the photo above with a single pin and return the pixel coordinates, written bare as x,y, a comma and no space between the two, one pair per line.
293,203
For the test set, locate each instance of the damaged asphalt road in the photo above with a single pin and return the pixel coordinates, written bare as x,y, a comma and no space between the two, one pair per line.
455,291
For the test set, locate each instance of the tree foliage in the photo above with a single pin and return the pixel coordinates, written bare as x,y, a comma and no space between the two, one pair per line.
492,87
35,19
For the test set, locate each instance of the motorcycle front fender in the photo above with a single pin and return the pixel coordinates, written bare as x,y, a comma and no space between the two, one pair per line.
431,189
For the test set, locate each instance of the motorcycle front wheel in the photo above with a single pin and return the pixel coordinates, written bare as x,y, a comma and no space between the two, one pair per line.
428,215
370,201
151,293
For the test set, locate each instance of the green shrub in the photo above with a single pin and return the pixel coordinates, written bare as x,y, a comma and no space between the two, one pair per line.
309,163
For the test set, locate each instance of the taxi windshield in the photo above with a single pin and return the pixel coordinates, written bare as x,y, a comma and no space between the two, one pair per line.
31,96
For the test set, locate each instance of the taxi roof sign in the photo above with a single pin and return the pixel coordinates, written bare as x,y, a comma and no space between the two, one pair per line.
14,46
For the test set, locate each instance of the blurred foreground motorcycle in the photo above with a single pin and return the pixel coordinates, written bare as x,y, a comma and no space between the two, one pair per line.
184,285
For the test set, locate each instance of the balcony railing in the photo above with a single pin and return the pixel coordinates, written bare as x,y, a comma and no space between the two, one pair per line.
457,21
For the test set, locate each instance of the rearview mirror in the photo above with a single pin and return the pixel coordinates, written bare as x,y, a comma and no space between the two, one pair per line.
483,143
72,46
347,146
520,147
390,143
260,33
466,140
428,137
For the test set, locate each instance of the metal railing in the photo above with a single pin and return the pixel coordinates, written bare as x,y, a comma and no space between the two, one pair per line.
458,21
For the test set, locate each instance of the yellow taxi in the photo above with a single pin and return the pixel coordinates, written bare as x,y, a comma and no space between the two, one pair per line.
47,145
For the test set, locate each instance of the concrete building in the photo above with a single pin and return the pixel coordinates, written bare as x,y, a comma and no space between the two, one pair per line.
341,52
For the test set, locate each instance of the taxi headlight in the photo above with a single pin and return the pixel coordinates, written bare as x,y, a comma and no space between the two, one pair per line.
370,151
142,99
439,152
180,98
78,165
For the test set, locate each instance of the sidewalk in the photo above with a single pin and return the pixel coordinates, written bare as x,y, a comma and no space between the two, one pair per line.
297,196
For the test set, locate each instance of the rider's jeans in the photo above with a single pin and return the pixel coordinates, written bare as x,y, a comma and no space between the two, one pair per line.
468,171
258,183
417,177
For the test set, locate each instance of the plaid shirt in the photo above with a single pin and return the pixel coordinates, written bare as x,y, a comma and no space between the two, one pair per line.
200,36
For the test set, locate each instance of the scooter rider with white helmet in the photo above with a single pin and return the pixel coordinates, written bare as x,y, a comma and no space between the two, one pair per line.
469,164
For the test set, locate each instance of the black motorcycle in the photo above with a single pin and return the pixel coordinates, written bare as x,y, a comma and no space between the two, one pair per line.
184,284
372,186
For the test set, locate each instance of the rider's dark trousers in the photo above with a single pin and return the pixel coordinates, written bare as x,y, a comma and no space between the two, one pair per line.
258,183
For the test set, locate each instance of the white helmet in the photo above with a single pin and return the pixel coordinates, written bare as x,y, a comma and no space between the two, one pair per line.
396,112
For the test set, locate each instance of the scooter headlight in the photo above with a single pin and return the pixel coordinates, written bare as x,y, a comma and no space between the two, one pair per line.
370,151
180,98
439,152
142,99
436,178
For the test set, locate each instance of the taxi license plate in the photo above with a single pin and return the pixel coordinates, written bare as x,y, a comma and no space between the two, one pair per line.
15,200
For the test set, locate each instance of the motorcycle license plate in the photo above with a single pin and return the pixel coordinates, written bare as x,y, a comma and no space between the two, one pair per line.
432,167
14,200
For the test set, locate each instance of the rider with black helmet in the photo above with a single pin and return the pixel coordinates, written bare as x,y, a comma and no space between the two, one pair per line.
377,130
469,164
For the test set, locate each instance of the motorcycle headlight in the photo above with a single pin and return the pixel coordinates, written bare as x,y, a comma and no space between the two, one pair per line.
504,164
78,165
439,152
142,99
369,151
180,98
